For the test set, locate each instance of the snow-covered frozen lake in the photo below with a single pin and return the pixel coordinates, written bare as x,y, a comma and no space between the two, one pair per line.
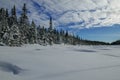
60,62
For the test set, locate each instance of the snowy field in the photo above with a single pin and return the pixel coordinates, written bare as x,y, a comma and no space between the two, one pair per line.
60,62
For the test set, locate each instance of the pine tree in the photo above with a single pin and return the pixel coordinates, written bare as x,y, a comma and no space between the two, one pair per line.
38,34
4,28
44,36
24,26
13,18
14,39
50,32
7,14
13,11
57,39
33,33
50,28
66,37
24,18
6,31
1,30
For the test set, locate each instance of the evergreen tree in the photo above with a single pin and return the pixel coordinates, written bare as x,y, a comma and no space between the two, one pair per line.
57,39
44,36
13,18
50,32
7,14
66,37
1,27
33,33
6,34
24,18
50,23
14,39
24,26
38,34
4,28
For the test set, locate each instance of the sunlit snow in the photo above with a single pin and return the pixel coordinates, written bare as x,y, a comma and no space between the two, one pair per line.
60,62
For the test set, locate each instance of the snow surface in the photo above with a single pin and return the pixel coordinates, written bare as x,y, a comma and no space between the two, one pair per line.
60,62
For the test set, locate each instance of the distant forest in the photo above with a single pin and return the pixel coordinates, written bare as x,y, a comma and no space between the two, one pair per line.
16,31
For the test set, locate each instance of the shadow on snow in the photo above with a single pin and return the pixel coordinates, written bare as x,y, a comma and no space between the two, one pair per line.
8,67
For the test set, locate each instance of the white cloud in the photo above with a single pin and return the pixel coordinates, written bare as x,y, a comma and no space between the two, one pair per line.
94,13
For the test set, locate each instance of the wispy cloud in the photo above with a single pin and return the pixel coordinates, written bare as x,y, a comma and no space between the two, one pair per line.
70,13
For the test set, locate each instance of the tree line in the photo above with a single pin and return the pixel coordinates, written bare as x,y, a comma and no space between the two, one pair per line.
16,31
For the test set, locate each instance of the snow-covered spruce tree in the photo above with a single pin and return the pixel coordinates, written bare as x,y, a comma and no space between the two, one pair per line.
45,36
44,39
14,39
39,35
24,26
1,27
33,33
61,32
66,37
13,17
14,34
56,37
6,35
42,35
11,36
4,27
50,33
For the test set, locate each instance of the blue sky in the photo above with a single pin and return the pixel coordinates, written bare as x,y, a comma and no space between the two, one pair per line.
90,19
106,34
